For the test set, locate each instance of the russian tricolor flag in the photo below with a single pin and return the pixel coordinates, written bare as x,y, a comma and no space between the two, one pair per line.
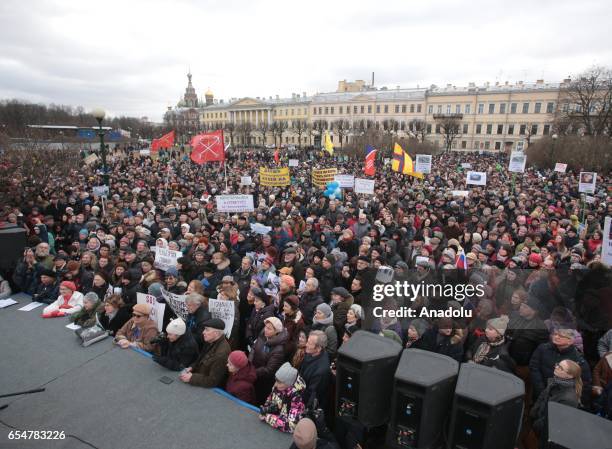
461,261
369,168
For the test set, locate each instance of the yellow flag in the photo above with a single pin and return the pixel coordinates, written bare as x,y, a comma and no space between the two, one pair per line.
328,145
402,162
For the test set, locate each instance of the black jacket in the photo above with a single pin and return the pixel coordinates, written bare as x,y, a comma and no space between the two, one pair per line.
195,324
255,324
46,293
308,305
123,316
316,373
497,357
441,344
178,355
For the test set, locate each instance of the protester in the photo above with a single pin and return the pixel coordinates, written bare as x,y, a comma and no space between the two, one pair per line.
284,406
178,349
86,317
113,314
139,331
70,301
241,378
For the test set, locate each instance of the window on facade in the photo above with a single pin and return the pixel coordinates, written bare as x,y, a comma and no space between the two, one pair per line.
320,109
402,125
550,107
538,108
500,129
502,108
463,144
386,109
332,109
487,145
348,109
489,128
411,109
546,130
476,144
468,108
377,108
377,125
397,108
478,128
481,108
340,110
465,128
326,110
513,107
314,111
438,129
369,109
458,109
439,109
523,130
418,108
498,145
510,129
430,109
448,108
534,130
429,129
404,108
354,109
492,108
362,109
525,108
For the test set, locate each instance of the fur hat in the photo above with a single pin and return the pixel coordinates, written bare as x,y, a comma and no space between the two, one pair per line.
176,327
357,310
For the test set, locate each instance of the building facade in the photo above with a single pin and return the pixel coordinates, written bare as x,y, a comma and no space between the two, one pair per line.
489,117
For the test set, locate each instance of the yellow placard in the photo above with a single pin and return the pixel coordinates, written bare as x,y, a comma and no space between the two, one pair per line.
274,177
321,176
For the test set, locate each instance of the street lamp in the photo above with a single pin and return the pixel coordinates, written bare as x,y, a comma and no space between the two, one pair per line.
99,114
552,147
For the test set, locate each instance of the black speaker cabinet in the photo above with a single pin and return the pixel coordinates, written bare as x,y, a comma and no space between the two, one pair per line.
364,378
570,428
487,409
12,242
422,396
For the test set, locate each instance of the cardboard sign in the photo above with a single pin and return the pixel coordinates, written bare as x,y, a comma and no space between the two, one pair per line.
294,162
606,246
246,180
365,186
166,258
274,177
224,310
321,176
157,308
478,178
466,165
235,203
145,152
100,191
517,162
90,159
589,199
460,193
423,163
586,182
561,168
345,181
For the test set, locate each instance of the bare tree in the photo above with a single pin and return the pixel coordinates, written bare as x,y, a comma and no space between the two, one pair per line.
230,128
587,102
450,128
342,128
245,130
418,128
278,129
309,132
320,126
300,127
580,153
263,129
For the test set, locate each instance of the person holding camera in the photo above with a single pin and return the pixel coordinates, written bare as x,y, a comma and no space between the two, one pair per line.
177,348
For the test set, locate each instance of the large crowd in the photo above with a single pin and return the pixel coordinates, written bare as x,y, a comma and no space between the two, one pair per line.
302,268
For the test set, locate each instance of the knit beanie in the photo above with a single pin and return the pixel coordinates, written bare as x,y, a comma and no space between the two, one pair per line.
500,324
293,301
420,326
288,280
176,327
331,259
305,434
69,285
275,322
324,309
238,359
287,374
356,308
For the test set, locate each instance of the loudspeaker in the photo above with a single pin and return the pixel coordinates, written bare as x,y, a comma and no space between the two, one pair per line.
422,396
487,409
364,378
570,428
12,242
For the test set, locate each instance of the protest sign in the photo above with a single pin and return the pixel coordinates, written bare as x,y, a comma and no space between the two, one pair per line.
559,167
321,176
166,258
460,193
466,165
293,162
274,177
345,181
246,180
145,152
478,178
224,310
586,182
517,162
90,159
176,303
100,190
606,247
235,203
364,186
157,308
423,163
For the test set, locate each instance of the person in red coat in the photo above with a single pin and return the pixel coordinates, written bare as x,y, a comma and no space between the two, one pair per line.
242,376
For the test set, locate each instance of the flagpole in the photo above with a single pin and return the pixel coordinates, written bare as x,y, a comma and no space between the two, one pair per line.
225,170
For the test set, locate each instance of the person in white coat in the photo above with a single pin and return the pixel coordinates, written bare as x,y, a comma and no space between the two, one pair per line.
70,301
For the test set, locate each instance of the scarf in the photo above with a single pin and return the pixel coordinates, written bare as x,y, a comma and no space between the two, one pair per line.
325,321
66,299
485,347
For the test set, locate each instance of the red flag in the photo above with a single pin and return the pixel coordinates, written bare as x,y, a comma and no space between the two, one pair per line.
208,147
276,156
165,141
369,168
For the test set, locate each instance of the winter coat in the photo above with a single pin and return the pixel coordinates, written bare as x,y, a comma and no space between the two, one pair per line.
308,305
85,318
525,336
316,373
142,335
542,367
115,323
442,344
563,392
255,324
293,324
129,292
75,303
328,328
179,354
268,354
195,323
210,370
46,293
24,277
328,280
602,373
497,356
604,345
284,408
241,384
340,310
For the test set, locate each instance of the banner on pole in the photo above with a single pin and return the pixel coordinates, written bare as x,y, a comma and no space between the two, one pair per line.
176,303
345,181
224,310
321,176
274,177
423,163
606,247
586,182
157,308
101,191
166,258
561,168
235,203
518,159
365,186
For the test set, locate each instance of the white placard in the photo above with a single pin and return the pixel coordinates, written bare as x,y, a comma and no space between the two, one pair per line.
423,163
365,186
73,327
586,182
176,303
518,159
345,181
478,178
235,203
466,165
589,199
31,306
166,258
386,161
606,247
246,180
561,168
460,193
294,162
224,310
157,309
7,302
100,190
145,152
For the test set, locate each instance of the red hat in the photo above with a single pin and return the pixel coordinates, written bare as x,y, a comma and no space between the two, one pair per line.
238,359
269,261
69,284
535,258
293,301
288,280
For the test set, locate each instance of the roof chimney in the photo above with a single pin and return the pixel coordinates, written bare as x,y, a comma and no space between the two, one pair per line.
277,97
448,86
505,83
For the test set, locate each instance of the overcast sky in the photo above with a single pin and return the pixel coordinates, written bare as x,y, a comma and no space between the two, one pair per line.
131,57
